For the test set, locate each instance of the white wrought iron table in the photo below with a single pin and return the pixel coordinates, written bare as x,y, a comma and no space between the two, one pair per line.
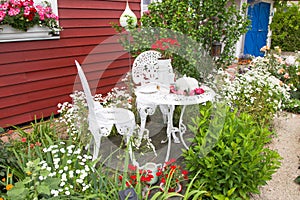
153,94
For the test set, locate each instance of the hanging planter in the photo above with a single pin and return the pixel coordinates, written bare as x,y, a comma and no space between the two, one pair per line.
128,18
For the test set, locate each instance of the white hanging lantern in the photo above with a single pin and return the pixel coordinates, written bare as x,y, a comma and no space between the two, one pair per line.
127,14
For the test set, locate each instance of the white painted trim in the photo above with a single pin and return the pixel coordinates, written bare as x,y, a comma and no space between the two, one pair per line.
239,47
241,42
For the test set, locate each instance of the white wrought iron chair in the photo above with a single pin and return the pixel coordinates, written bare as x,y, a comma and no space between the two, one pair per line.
101,120
145,71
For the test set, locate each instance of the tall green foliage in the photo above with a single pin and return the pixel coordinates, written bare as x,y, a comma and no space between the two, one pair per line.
196,24
285,27
204,21
238,162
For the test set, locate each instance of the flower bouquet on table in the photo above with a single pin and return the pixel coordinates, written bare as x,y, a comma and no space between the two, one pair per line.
166,46
186,86
23,14
171,176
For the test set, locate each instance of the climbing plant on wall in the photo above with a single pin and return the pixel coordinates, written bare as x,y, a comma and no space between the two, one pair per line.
285,27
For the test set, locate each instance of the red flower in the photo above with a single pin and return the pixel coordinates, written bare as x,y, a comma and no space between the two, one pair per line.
31,146
184,172
133,177
164,45
143,179
38,144
172,160
120,178
132,167
173,167
23,139
199,91
127,184
163,180
159,173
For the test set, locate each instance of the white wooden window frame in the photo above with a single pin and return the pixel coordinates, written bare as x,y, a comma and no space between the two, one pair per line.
37,33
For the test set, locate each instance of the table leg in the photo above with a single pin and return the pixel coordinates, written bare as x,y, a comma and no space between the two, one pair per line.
144,110
182,127
171,130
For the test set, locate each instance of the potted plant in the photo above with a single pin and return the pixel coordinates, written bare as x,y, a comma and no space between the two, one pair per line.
171,176
165,46
23,15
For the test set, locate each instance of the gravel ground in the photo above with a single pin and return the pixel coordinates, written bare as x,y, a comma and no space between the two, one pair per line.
287,144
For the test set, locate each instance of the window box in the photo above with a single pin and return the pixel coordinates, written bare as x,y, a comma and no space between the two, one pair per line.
9,34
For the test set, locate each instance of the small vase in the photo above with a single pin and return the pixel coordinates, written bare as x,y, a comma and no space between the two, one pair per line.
163,70
177,189
153,168
164,63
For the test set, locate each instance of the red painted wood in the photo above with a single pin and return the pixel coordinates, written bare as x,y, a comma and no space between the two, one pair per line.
37,75
39,65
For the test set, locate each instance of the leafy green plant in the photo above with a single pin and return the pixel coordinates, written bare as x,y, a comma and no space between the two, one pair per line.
238,163
285,27
257,93
204,22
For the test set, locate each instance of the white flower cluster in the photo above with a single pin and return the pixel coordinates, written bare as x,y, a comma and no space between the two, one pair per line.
136,142
253,86
73,113
70,166
119,97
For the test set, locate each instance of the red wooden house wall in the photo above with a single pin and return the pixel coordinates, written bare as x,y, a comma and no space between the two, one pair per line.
37,75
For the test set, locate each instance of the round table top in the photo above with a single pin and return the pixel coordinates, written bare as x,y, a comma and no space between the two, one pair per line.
156,93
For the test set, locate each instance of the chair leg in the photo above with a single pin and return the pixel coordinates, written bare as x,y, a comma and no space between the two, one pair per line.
131,154
97,144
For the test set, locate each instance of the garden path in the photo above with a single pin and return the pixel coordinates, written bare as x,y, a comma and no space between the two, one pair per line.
287,144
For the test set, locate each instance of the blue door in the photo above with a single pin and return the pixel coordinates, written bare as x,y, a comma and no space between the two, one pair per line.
256,37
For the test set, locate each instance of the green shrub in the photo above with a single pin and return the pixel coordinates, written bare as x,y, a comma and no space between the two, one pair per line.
203,22
285,27
238,162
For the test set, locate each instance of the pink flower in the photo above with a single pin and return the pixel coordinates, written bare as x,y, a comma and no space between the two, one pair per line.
199,91
2,15
147,12
23,139
13,12
38,144
192,93
286,75
4,6
172,89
